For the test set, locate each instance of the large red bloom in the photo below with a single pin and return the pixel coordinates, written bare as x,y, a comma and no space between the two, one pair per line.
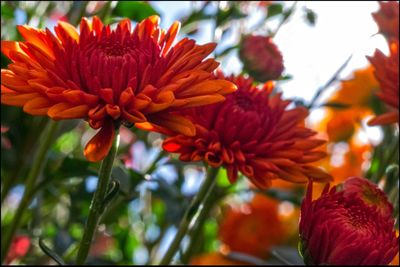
252,132
110,76
387,74
348,225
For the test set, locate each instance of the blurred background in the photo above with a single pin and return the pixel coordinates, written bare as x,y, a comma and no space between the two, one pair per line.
324,47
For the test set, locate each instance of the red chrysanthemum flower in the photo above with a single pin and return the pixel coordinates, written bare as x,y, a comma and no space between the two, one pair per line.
253,228
387,18
344,226
110,76
252,132
387,74
261,58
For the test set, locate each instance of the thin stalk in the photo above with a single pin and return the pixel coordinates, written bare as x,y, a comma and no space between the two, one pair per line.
97,204
196,231
207,186
39,161
334,78
285,19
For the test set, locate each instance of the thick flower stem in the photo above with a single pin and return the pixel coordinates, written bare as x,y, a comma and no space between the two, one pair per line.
97,205
200,198
38,162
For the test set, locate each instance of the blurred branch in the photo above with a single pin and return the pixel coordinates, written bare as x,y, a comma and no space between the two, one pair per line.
200,197
334,78
287,15
215,195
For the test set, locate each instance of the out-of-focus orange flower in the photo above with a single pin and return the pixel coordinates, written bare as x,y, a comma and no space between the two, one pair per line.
387,73
387,18
352,164
253,132
19,247
356,93
261,58
358,90
253,228
110,77
341,127
214,258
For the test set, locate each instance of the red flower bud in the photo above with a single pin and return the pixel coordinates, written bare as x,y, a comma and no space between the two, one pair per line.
350,224
261,58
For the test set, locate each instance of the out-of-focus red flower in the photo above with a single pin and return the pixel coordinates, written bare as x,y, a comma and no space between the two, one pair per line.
214,258
252,132
387,18
110,77
101,244
387,73
346,226
253,228
19,247
5,142
261,58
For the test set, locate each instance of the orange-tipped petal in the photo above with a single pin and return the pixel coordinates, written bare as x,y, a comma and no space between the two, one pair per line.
99,146
63,111
7,46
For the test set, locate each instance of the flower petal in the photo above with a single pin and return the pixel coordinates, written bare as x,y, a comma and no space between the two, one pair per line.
99,146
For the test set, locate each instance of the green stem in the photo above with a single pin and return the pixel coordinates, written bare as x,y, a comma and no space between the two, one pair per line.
195,232
39,160
201,197
29,142
390,157
97,204
285,19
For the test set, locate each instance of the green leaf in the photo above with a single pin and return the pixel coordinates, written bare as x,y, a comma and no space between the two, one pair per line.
335,105
134,10
310,16
7,11
274,9
285,78
224,16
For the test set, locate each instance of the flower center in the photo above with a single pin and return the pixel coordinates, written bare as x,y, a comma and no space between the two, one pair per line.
115,49
245,102
358,217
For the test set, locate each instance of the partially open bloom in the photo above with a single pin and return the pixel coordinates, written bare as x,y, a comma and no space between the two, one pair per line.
110,76
253,228
348,225
387,73
261,58
252,132
387,18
